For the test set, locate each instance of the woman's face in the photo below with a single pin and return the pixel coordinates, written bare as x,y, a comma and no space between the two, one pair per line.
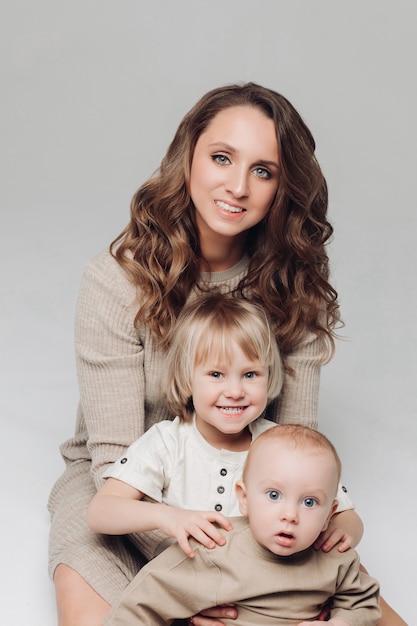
234,173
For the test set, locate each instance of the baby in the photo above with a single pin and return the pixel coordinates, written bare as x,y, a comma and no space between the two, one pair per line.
268,566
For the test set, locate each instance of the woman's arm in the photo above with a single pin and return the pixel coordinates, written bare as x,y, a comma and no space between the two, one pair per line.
298,400
109,358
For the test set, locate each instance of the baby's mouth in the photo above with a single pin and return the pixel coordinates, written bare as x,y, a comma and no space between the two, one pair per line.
285,539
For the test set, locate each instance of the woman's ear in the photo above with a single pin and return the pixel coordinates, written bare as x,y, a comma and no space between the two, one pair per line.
240,489
332,511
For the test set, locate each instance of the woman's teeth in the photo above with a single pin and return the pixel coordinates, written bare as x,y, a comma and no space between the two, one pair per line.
228,207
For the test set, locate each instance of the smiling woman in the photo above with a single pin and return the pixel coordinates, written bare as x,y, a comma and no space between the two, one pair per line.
234,179
239,205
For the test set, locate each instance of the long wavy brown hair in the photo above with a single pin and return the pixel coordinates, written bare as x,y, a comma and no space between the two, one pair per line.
289,267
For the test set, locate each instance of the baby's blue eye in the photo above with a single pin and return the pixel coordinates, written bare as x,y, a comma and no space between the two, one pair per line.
309,502
250,375
273,495
215,374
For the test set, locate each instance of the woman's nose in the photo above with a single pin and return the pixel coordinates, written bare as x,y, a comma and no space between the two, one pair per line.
237,182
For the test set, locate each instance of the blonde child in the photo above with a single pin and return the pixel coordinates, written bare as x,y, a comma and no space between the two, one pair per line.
221,371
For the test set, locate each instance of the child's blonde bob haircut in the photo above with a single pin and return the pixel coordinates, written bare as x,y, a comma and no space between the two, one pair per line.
204,330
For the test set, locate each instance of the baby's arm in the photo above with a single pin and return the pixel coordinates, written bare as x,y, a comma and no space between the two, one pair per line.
119,509
345,530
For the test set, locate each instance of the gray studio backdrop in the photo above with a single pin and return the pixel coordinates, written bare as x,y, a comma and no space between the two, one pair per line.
92,92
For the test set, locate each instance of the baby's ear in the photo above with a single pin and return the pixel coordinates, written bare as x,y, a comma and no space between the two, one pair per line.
333,510
240,489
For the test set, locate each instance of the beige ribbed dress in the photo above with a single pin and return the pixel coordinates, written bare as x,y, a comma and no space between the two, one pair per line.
118,369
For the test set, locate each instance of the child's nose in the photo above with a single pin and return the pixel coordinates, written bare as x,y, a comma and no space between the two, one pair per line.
234,389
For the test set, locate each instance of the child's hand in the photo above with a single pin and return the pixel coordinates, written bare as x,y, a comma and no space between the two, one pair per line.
182,524
333,536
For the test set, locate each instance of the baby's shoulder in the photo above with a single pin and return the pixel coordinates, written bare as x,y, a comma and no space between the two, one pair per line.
339,559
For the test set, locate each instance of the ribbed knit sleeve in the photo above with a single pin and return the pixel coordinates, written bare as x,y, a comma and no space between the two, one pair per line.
298,401
109,357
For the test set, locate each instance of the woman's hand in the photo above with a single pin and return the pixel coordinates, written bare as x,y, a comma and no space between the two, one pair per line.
183,524
210,617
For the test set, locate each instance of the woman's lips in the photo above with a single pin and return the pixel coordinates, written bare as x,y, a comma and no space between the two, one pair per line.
230,208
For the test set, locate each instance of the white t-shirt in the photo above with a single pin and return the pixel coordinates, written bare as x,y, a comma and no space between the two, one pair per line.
172,463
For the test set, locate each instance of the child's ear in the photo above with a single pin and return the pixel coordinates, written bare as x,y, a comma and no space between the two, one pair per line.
330,515
240,489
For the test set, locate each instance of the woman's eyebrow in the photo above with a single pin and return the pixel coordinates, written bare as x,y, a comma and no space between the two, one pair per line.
221,144
270,163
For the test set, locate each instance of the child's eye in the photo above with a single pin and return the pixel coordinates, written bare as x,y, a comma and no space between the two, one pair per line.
215,374
262,172
310,502
250,375
273,495
221,159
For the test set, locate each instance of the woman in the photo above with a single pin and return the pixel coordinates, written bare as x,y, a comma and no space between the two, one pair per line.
239,203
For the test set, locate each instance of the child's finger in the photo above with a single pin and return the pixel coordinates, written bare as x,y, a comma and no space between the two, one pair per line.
185,547
345,544
223,521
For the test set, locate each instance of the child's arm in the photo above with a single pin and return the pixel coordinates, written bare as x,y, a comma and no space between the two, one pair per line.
345,530
119,509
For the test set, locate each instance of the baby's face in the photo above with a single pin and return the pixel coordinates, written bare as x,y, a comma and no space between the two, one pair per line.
288,496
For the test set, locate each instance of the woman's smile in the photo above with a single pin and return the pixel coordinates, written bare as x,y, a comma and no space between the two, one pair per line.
228,207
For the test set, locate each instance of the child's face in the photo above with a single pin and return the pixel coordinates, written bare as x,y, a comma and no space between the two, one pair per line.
227,396
288,496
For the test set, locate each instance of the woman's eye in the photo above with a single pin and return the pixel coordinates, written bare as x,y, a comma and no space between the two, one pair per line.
261,172
309,502
273,495
221,159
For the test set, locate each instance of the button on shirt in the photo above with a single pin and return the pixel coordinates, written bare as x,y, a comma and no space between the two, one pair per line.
174,464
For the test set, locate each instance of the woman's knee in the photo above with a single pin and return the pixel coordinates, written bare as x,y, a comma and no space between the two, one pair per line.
78,604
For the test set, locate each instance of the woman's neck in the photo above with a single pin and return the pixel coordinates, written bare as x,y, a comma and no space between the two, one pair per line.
221,255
